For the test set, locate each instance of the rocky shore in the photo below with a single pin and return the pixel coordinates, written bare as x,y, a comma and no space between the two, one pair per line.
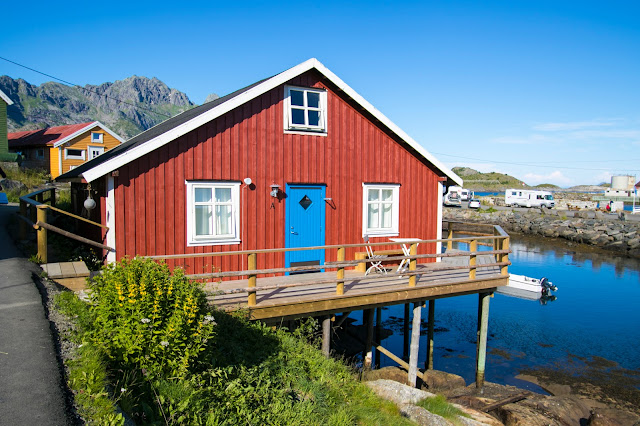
585,227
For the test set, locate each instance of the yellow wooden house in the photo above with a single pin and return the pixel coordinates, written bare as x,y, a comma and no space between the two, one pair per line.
62,148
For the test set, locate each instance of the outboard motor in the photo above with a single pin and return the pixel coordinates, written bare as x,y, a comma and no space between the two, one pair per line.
547,286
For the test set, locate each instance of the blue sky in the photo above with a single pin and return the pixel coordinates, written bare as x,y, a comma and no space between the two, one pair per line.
547,91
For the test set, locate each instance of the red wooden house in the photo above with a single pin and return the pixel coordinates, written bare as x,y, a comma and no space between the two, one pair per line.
296,160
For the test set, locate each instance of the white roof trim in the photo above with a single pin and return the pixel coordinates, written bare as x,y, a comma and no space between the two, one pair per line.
275,81
85,129
6,98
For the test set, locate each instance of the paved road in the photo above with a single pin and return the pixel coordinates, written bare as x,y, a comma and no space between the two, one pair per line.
30,381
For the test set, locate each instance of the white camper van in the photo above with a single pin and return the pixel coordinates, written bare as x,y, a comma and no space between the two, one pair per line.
526,198
466,194
453,196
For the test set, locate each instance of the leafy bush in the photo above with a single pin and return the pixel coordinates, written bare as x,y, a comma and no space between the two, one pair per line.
148,319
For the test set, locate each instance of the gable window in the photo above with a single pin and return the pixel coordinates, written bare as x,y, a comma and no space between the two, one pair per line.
74,154
97,137
213,213
94,151
305,109
380,210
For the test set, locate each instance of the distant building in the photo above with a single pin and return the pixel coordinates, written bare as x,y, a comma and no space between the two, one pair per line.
62,148
621,186
5,101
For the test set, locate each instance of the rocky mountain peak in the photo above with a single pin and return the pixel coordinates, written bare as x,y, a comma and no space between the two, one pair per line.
127,106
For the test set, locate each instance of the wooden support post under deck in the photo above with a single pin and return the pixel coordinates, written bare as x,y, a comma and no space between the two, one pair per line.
413,263
23,224
483,325
340,286
326,335
405,332
473,247
378,337
415,344
42,234
449,235
428,365
368,323
52,196
251,265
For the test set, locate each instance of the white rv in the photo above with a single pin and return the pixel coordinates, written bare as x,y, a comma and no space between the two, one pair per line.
526,198
466,194
453,196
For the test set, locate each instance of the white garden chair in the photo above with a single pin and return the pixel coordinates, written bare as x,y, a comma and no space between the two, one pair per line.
375,259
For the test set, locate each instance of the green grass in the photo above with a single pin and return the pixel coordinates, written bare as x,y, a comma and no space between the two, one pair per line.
32,178
247,373
439,405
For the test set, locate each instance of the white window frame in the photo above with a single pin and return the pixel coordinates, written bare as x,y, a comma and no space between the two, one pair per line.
212,240
95,148
75,157
393,231
290,127
100,138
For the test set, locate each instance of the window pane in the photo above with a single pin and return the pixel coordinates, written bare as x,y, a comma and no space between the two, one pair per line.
373,220
386,215
203,220
223,220
297,116
313,100
387,195
374,195
297,97
314,118
203,195
223,195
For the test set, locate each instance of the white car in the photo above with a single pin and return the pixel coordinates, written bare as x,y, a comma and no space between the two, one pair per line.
474,204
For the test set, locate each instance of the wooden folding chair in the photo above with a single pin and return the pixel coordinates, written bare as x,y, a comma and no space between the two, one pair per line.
375,259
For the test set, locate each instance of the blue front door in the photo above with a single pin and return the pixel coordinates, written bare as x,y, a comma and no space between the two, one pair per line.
304,224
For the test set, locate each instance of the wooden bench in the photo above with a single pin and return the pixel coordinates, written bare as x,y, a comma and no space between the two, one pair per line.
362,267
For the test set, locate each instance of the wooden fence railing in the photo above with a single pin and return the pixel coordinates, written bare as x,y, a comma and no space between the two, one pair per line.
493,236
33,212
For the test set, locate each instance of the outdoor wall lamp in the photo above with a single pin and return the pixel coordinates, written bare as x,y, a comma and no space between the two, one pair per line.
89,203
275,190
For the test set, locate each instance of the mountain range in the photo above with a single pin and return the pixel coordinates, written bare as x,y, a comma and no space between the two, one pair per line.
127,106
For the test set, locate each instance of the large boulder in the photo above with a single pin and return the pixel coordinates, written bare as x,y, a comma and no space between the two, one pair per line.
519,415
397,392
12,185
570,410
421,416
439,381
612,417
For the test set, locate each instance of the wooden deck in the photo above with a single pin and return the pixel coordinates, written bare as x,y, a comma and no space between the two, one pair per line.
66,270
360,291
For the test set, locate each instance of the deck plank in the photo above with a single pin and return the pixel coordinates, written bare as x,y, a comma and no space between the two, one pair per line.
377,290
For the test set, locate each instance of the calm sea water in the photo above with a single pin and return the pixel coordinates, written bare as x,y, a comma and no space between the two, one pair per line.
597,313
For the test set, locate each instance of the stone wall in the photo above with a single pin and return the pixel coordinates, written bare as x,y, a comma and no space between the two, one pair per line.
586,227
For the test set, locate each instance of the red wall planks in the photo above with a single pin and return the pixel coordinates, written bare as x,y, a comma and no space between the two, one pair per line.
250,142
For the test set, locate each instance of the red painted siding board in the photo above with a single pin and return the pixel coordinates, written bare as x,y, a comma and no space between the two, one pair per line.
249,142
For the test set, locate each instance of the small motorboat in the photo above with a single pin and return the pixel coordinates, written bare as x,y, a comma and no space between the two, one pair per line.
529,288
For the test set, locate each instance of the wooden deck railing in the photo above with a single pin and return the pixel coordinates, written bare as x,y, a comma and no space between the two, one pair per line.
490,235
33,212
